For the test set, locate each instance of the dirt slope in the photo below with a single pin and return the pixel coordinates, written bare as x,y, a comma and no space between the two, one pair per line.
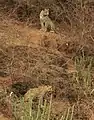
13,33
42,58
18,35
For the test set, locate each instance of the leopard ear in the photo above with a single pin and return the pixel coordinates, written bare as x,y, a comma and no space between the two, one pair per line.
48,9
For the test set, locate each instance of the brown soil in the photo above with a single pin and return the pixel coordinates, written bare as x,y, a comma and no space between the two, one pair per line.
30,55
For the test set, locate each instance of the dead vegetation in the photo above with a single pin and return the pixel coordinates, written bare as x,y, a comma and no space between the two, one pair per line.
30,58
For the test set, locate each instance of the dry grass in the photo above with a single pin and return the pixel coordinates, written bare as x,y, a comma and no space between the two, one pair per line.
30,58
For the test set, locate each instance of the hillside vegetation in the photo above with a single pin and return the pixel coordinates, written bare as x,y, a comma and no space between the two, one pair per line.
58,68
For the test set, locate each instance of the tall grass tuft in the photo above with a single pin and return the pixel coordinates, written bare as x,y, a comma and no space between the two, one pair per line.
25,111
83,76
